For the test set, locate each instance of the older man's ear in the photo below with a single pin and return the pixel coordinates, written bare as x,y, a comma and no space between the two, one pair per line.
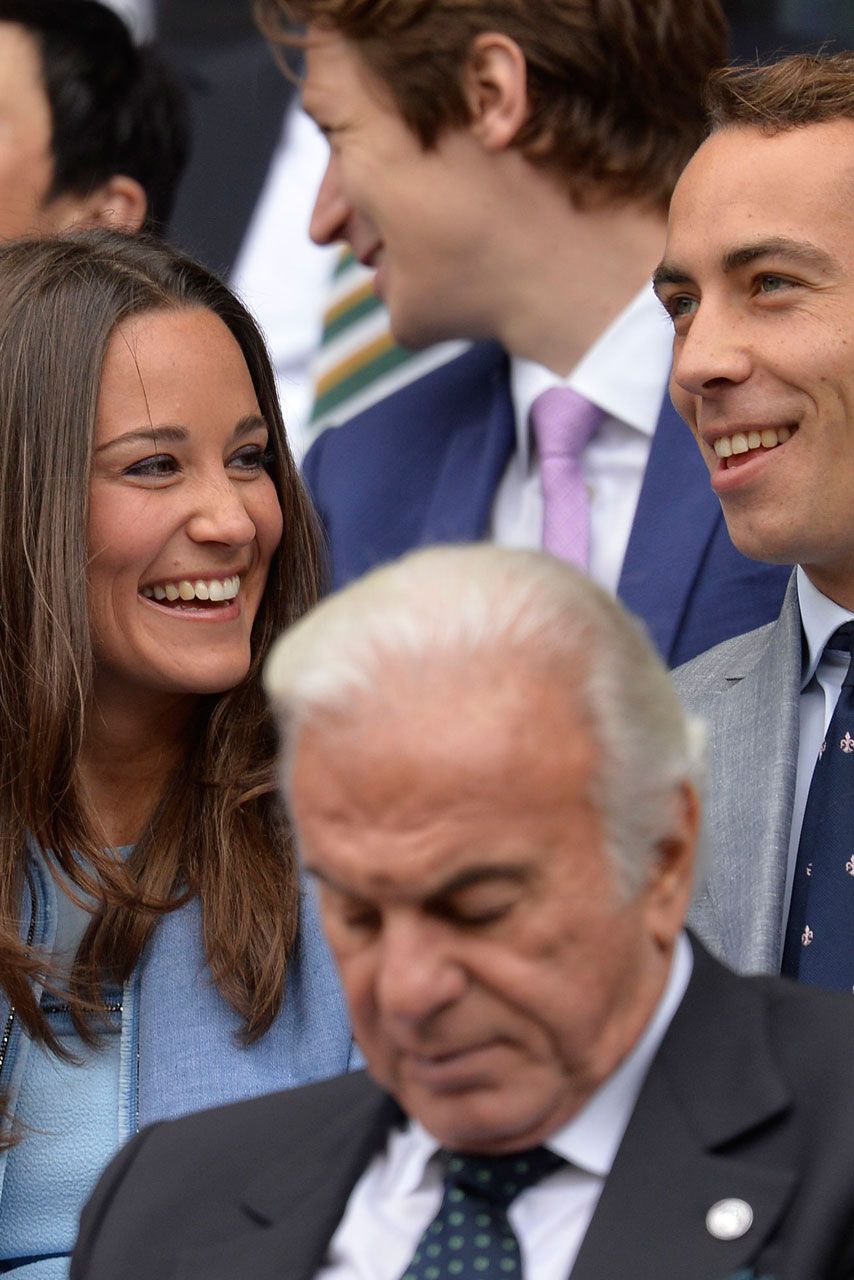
671,877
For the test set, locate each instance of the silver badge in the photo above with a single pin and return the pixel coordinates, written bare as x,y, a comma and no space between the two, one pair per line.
729,1219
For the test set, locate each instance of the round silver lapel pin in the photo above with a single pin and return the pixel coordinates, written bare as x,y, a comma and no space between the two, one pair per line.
729,1219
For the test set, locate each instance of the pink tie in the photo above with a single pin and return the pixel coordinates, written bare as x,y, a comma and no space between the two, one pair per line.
563,423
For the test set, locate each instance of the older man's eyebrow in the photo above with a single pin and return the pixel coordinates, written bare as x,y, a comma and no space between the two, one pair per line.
514,872
510,872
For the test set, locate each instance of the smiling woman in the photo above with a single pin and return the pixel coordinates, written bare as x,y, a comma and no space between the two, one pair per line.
154,538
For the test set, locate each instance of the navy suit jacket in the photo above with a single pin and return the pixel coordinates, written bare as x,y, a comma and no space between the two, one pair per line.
422,466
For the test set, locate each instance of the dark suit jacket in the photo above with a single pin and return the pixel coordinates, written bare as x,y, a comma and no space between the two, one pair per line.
238,100
423,465
749,1096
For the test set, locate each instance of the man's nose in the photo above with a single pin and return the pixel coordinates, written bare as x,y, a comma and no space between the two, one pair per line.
712,354
417,975
331,210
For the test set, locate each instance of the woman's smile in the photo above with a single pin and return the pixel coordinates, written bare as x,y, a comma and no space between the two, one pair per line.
184,516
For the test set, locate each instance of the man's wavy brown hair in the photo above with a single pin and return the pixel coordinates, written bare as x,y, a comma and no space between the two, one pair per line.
615,86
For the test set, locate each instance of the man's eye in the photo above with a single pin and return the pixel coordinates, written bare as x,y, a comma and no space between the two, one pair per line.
682,305
160,464
358,919
774,284
477,917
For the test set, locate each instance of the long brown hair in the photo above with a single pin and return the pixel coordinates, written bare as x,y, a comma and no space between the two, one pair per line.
217,831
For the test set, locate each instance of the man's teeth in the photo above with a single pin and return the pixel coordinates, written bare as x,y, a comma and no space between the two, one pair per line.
744,441
203,589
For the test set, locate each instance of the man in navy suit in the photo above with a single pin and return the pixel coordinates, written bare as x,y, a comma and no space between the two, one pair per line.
506,168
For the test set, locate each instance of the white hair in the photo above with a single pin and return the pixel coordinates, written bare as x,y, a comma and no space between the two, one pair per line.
471,603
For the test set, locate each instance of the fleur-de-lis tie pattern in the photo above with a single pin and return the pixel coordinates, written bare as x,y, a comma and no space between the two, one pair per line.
819,946
471,1237
563,422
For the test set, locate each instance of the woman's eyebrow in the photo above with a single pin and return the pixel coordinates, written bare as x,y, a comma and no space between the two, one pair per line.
167,434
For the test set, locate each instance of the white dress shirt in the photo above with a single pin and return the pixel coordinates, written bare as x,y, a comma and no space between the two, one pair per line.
820,688
138,14
625,373
401,1190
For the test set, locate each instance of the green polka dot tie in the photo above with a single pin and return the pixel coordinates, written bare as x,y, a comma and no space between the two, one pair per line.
471,1237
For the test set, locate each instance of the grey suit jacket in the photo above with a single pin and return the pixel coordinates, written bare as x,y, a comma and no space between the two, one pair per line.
747,692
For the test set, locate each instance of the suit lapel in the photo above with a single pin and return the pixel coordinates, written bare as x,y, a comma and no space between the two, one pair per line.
688,1146
478,451
293,1209
753,754
676,516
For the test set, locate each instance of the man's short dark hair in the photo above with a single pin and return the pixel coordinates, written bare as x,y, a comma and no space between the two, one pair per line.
615,86
116,108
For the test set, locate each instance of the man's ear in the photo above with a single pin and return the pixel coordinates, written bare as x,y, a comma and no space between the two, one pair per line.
670,884
496,87
120,203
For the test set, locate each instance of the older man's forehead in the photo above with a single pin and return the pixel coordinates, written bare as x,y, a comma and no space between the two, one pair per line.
413,785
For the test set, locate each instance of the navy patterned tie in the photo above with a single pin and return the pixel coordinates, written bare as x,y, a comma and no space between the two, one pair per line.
471,1237
819,948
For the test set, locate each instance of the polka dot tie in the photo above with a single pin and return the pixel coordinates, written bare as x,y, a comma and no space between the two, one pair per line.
819,946
471,1237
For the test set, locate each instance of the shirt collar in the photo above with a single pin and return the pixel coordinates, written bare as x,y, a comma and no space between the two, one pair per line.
820,617
624,372
591,1138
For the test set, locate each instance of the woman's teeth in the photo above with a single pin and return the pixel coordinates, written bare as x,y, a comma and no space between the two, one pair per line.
217,589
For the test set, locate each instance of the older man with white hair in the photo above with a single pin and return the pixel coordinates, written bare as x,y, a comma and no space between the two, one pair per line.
496,792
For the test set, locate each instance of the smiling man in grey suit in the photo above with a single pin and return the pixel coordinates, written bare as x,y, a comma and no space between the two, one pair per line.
493,785
758,277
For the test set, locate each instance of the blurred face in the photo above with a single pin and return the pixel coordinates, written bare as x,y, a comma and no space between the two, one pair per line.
26,159
758,276
184,518
414,216
494,970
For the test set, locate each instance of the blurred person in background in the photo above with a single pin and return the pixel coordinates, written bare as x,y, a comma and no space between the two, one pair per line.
95,129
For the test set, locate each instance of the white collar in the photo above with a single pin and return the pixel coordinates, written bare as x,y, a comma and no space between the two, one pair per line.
590,1140
624,372
820,617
